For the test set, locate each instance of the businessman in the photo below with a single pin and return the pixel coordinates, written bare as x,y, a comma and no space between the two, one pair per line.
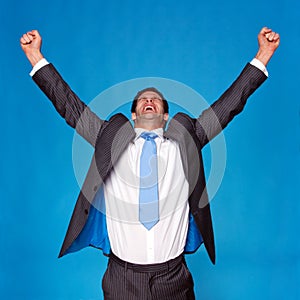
144,199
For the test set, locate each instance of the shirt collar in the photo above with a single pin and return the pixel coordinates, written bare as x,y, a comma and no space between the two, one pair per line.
158,131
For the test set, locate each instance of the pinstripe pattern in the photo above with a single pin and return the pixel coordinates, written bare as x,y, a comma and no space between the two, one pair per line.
189,132
124,283
68,104
112,137
114,134
221,112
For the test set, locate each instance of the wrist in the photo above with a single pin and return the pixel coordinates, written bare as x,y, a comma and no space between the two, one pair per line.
34,57
264,56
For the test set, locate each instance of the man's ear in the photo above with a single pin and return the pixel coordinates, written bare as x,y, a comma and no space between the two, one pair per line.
166,117
133,116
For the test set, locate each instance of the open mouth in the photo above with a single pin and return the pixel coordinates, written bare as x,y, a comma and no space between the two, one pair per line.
149,108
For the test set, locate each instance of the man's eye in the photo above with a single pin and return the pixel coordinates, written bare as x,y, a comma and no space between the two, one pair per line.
152,99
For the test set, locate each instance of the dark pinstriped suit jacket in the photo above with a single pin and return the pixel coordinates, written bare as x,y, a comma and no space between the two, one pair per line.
110,138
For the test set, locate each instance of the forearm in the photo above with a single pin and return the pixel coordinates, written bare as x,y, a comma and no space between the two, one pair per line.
214,119
67,103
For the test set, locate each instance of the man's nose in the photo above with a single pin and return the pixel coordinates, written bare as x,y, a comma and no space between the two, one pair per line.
149,100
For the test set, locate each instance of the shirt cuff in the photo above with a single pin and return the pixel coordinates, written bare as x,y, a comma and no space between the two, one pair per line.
41,63
258,64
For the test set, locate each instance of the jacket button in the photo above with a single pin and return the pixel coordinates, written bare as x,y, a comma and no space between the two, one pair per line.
95,188
86,211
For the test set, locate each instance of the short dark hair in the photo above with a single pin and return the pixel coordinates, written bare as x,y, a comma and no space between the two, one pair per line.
150,89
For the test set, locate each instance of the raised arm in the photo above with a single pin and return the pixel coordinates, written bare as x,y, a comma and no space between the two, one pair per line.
214,119
66,102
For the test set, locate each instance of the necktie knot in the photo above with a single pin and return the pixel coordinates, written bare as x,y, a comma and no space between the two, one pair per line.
149,136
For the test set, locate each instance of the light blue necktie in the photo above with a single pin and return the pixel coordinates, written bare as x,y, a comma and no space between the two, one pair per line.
148,198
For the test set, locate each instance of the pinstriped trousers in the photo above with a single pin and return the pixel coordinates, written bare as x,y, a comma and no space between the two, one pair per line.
126,281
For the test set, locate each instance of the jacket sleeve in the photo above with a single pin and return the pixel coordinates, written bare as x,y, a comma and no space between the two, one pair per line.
214,119
76,113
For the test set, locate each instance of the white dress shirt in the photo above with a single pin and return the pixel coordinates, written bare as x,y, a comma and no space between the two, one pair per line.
129,239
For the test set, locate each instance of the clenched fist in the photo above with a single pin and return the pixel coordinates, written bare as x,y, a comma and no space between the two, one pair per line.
268,42
31,43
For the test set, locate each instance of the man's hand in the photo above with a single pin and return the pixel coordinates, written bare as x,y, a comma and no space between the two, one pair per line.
31,43
268,42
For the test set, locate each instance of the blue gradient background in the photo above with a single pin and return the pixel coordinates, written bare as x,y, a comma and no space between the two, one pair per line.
96,44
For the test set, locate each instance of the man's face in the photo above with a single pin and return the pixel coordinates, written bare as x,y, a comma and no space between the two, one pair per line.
150,107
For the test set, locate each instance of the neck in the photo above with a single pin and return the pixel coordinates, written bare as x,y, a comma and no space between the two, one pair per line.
149,124
147,128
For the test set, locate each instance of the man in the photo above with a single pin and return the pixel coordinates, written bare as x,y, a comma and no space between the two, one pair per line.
144,201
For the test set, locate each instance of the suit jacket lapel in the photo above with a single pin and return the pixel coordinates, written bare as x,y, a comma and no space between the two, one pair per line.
112,141
180,130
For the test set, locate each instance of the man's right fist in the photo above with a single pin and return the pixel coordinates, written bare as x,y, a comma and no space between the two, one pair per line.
31,39
31,43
